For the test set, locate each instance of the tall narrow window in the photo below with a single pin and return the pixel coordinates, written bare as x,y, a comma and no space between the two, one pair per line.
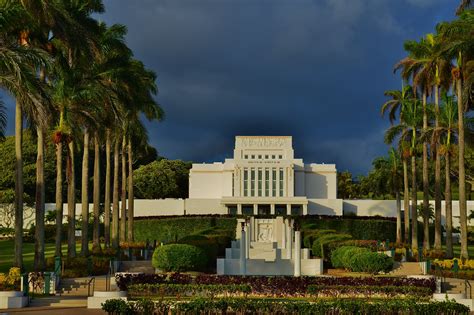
267,182
281,182
274,182
260,182
252,182
246,178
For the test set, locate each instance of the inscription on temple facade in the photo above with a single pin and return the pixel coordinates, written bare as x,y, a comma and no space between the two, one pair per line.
263,142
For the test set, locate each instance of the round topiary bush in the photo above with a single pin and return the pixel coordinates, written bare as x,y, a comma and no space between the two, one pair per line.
311,235
360,259
179,257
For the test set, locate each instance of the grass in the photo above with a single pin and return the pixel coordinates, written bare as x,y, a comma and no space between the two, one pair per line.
7,253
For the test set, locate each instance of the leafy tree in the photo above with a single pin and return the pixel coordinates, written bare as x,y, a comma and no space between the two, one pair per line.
162,179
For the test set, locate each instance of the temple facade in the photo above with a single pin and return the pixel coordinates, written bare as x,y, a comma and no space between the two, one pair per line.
264,177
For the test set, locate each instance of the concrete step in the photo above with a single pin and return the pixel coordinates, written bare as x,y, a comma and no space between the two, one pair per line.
58,301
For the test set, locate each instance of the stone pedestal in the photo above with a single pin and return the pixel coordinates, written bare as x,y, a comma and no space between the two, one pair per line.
12,299
100,297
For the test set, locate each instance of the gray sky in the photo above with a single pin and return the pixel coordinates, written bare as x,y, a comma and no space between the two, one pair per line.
315,70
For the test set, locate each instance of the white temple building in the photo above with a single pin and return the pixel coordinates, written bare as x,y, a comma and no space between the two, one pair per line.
264,177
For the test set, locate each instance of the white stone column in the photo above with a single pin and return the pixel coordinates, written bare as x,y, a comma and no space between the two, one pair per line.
251,236
243,245
272,209
247,243
289,240
288,209
239,209
305,209
283,236
297,262
255,209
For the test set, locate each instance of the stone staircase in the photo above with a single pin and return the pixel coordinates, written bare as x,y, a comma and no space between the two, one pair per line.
456,289
72,292
406,269
137,266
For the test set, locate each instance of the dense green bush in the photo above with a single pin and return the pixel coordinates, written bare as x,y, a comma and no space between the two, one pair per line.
320,244
311,234
360,259
209,247
170,230
179,257
361,229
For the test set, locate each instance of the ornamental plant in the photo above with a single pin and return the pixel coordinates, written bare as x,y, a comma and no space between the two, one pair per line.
10,281
179,257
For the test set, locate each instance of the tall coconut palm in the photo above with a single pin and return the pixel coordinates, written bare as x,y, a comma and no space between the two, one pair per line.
446,134
418,66
394,106
457,43
85,196
18,75
96,194
408,131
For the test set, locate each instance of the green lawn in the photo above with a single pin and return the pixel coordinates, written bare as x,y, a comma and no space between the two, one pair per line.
7,253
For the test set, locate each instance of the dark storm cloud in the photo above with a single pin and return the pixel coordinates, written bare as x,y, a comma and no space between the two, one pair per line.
315,70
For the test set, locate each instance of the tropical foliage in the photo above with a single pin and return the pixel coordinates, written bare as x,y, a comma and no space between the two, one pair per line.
77,82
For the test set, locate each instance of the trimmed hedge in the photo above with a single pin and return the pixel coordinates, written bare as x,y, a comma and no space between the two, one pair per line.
272,306
170,230
362,229
369,290
320,244
208,246
360,259
179,257
310,235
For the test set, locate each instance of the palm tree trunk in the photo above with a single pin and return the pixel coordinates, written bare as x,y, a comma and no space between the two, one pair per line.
123,216
96,231
399,217
85,196
414,201
59,197
130,193
19,185
115,206
406,200
107,190
426,191
39,203
438,237
71,202
449,208
462,171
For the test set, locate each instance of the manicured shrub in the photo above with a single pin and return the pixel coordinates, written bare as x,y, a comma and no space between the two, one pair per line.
179,257
360,259
367,228
310,235
209,247
319,245
170,230
272,306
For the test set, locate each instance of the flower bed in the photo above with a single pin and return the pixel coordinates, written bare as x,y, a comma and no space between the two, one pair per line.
271,306
447,264
368,291
271,286
168,289
10,281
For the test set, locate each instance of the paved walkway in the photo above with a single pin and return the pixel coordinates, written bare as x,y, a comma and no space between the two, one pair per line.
52,311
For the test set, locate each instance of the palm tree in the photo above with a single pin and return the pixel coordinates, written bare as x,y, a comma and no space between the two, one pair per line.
457,43
446,133
96,194
408,132
18,75
419,66
463,6
394,105
85,196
